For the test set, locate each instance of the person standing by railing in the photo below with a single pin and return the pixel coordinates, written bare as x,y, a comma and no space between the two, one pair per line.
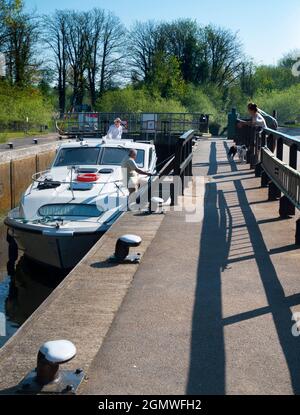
257,120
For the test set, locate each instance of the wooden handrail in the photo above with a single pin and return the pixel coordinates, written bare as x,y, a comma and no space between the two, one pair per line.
283,176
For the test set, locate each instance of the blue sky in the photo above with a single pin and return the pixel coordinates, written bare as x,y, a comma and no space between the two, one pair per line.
267,28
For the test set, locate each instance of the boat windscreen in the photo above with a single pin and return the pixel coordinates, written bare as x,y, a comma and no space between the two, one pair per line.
115,156
81,156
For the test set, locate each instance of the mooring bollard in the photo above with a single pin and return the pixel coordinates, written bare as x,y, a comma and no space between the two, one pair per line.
10,145
122,249
51,355
48,378
156,205
35,141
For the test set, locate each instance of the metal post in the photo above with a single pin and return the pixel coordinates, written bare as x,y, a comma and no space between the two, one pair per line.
177,173
264,179
274,192
286,207
297,239
261,142
263,139
270,142
150,195
293,157
279,152
253,140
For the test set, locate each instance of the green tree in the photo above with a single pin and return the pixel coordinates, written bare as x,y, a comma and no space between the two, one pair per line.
165,77
182,40
20,34
195,100
130,99
269,78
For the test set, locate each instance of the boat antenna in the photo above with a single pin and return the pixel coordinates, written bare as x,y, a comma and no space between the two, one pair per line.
71,187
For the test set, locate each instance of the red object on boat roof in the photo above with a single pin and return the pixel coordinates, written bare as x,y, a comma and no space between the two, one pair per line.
88,177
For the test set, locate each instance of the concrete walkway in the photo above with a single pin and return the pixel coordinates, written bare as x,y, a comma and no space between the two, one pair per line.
210,308
28,141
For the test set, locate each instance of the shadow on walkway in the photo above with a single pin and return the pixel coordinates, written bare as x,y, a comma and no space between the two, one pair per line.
282,315
280,309
207,360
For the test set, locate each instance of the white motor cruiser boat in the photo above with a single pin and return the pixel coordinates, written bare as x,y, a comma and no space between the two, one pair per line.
69,207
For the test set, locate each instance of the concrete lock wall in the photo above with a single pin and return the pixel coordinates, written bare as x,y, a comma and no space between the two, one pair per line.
5,188
16,170
44,160
22,171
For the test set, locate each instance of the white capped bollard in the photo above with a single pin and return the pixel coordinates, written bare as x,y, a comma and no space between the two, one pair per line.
47,378
123,245
156,205
50,356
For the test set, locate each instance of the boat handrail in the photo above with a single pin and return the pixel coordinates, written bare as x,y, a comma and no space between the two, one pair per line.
37,178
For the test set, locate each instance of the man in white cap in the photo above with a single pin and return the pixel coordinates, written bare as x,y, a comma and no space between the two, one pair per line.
116,130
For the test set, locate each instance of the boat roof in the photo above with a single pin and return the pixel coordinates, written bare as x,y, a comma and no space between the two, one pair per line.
92,142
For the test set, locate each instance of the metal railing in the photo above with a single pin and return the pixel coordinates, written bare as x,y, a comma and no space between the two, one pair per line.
265,154
184,158
142,124
283,176
180,165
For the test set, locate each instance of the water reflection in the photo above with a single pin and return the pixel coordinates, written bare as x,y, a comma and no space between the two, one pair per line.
23,291
29,287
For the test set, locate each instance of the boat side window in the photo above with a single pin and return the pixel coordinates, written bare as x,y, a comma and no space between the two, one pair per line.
77,156
81,210
115,156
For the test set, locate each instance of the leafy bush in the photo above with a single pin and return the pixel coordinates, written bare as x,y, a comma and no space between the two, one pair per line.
270,78
286,102
195,100
17,104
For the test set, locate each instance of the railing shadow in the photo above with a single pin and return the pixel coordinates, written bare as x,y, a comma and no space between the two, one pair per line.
282,315
207,360
278,306
213,162
207,357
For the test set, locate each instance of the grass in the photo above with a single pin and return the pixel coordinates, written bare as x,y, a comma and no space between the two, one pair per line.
292,125
6,136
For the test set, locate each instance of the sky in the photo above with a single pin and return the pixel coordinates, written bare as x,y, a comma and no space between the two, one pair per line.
267,28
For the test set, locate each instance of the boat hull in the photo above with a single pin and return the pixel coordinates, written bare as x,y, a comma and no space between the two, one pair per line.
62,252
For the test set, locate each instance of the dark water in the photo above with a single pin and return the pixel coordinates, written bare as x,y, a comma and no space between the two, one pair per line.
22,292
